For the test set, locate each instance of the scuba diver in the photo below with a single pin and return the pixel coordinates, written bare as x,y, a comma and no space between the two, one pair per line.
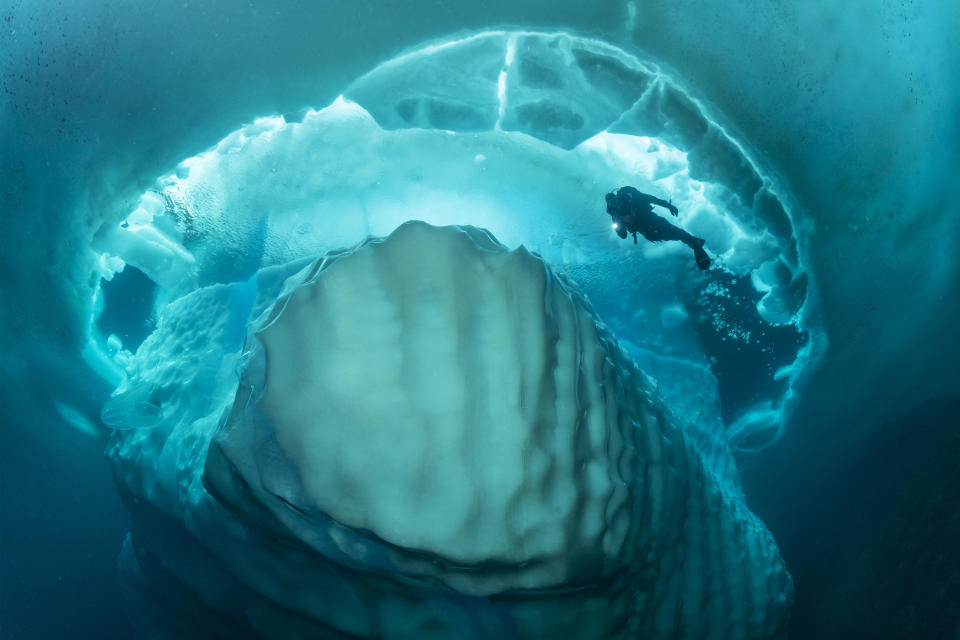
632,212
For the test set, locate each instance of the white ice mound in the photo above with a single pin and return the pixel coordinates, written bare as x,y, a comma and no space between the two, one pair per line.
434,437
485,399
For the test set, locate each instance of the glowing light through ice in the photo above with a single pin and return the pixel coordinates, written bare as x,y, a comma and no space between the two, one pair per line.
403,146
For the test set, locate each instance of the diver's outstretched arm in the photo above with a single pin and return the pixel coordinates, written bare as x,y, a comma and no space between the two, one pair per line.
665,205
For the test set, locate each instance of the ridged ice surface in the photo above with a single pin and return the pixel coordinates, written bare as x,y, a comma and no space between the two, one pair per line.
432,437
473,385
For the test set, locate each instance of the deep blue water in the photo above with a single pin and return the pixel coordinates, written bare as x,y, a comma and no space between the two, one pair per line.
61,529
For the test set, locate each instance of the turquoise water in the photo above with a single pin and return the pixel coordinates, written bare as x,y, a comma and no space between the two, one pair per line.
166,171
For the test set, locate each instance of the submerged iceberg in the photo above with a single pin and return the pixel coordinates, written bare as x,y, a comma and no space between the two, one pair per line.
436,435
428,436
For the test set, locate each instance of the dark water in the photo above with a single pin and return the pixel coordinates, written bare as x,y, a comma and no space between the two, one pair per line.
61,528
128,307
872,545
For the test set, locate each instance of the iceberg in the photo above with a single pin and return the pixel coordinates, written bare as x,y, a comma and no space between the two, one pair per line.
434,420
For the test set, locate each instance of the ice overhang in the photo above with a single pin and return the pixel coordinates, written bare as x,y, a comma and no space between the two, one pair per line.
521,133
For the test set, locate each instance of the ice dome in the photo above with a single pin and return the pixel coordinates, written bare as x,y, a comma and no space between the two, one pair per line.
177,179
470,132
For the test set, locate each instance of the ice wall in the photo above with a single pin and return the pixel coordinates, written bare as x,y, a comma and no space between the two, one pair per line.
429,436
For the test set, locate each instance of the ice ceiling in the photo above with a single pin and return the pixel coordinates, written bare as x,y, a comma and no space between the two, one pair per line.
521,133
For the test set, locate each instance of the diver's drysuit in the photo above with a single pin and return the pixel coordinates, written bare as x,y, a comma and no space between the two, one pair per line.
632,212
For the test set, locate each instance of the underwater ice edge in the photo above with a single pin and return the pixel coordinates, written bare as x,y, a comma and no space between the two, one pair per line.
932,272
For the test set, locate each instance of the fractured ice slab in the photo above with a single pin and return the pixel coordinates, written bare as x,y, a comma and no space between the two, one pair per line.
457,101
562,90
552,86
430,436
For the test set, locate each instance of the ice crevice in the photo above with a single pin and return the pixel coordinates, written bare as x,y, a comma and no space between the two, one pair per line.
511,52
